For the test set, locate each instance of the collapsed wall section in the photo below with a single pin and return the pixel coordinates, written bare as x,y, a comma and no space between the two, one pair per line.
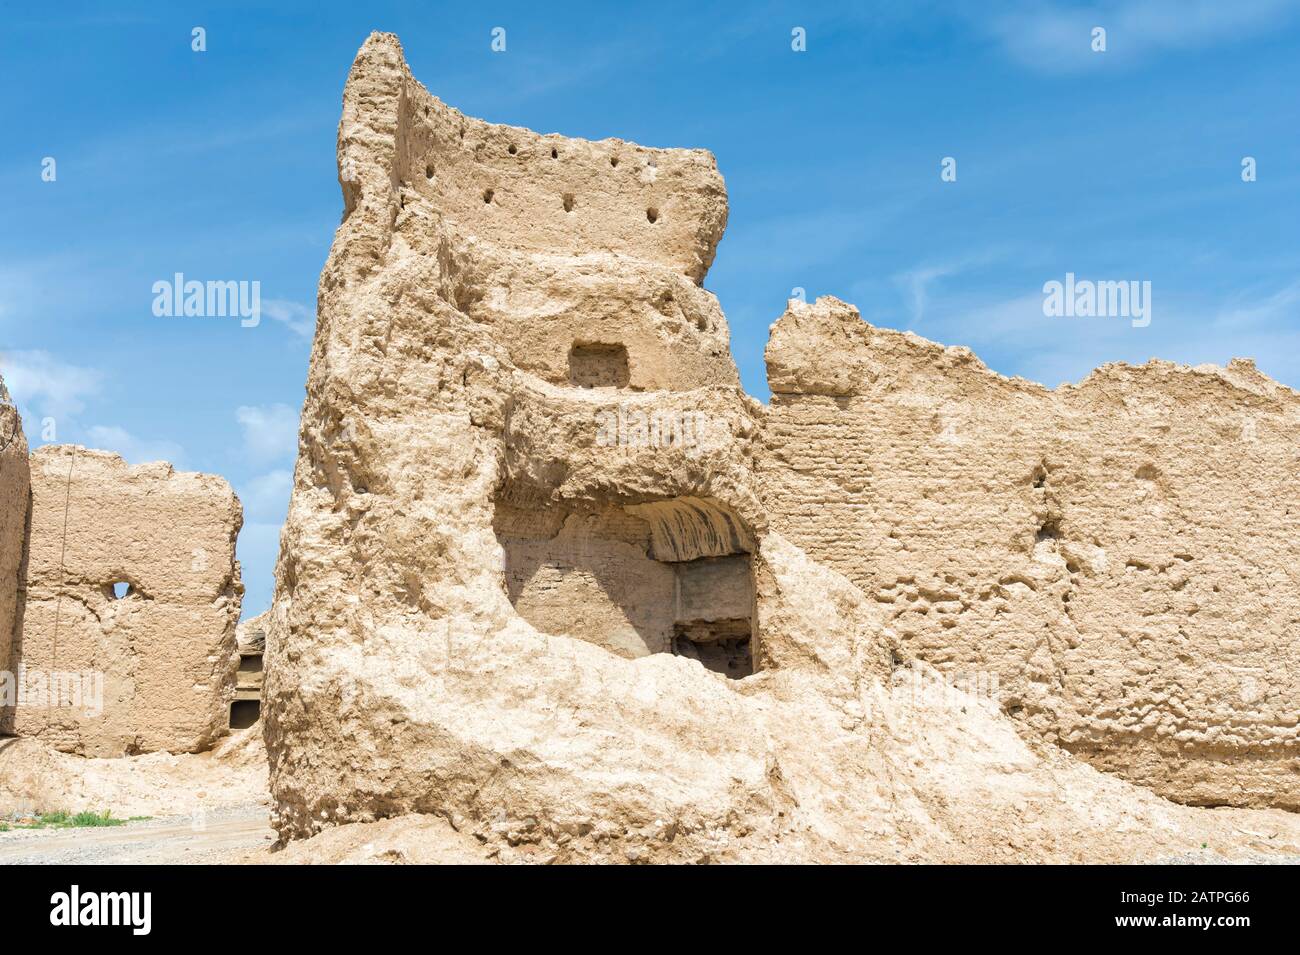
1119,555
132,598
618,513
589,576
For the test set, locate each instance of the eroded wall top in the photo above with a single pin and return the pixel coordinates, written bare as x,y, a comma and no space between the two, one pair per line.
584,260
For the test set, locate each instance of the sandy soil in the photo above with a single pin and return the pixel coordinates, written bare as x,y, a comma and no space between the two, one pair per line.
403,840
36,778
214,808
221,836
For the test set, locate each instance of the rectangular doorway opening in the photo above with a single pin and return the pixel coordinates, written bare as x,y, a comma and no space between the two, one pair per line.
244,713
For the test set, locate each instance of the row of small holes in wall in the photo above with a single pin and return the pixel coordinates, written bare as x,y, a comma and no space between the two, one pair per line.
567,200
513,149
651,214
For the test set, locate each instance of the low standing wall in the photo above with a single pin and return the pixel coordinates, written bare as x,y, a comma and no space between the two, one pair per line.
132,597
1121,556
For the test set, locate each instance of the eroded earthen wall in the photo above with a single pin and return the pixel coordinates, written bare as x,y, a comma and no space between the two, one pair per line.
598,577
497,307
469,538
583,259
1121,554
589,576
133,594
15,497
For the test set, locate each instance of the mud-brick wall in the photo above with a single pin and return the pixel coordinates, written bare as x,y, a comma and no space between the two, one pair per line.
132,597
1121,555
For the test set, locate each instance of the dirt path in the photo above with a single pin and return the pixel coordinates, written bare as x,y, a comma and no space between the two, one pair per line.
222,835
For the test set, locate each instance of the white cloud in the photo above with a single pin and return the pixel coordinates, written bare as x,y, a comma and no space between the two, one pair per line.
134,450
38,380
1023,341
300,319
270,431
1277,310
915,283
266,497
1057,38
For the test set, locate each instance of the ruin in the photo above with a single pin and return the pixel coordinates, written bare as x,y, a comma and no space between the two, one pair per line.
250,641
554,588
598,576
133,589
573,643
15,493
1120,552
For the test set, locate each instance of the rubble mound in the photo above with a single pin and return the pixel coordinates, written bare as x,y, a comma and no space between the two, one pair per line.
35,777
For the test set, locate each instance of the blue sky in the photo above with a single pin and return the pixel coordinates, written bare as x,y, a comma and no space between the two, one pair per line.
1117,165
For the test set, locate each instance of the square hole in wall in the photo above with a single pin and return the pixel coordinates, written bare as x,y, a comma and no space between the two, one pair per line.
597,365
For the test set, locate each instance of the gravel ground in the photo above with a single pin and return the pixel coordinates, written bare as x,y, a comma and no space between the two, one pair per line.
1210,857
221,835
230,835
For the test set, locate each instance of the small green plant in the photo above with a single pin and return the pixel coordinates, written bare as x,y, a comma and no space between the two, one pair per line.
104,818
66,820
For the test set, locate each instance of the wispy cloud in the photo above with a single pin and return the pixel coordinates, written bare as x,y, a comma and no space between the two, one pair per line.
1057,38
915,283
266,501
257,549
1267,314
1013,336
133,449
266,497
270,432
300,319
49,387
797,242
